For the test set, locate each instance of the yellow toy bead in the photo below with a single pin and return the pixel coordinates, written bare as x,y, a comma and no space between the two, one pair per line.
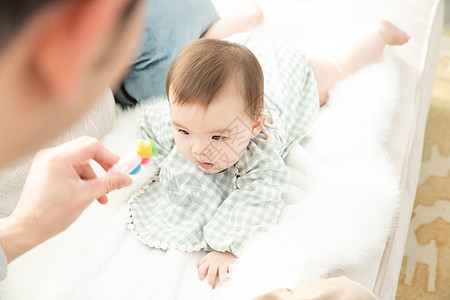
145,148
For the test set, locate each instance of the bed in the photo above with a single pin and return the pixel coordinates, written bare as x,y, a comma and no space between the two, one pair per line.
348,210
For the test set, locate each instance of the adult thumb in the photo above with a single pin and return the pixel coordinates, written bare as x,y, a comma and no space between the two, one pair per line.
100,186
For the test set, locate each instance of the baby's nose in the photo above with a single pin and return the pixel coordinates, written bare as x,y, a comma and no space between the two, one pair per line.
201,146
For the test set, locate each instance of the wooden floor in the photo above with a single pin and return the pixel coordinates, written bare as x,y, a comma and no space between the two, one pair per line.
425,272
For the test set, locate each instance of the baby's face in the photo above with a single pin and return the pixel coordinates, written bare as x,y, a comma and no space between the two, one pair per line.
214,138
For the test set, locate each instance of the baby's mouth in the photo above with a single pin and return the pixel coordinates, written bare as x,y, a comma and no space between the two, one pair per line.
206,165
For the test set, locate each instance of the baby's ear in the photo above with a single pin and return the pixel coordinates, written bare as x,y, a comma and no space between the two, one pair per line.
258,125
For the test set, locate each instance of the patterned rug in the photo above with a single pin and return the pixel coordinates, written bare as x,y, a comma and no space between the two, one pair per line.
425,272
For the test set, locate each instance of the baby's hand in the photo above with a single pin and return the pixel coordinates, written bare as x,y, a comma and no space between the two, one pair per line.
215,264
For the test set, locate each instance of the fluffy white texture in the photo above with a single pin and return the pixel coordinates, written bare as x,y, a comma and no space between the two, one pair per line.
343,196
340,205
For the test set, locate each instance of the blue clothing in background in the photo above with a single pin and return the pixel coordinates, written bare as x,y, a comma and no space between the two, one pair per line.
3,264
170,24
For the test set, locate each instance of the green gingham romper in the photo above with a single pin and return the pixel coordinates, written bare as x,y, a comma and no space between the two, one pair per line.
189,210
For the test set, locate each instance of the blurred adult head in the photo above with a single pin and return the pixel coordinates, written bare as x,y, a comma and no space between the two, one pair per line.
56,59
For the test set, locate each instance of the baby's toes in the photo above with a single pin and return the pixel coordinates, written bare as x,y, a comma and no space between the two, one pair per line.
393,34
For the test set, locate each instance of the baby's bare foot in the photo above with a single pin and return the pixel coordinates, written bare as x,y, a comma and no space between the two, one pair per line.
252,9
392,34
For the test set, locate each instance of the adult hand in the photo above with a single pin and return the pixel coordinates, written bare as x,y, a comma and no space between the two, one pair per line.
60,185
338,288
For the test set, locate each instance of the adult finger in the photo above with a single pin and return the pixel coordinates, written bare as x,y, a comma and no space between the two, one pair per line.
86,172
100,186
85,148
103,200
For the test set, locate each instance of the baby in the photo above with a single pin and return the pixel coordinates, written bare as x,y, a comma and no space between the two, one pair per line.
236,108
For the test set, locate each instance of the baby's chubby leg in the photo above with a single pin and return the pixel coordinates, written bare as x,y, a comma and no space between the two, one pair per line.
244,18
366,50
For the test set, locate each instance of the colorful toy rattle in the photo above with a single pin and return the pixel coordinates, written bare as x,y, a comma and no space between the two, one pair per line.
131,162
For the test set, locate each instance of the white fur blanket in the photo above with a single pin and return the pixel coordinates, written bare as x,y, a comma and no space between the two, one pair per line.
342,200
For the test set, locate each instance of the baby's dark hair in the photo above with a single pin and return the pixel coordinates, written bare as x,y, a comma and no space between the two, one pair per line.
205,67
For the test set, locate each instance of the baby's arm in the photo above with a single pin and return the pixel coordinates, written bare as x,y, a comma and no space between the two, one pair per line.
215,264
366,50
251,208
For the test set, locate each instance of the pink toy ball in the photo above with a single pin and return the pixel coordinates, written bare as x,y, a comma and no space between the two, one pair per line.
145,160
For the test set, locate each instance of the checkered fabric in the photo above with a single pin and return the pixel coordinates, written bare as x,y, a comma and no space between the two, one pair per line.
189,210
291,97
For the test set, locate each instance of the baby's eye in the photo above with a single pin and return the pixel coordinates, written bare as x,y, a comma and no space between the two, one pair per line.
217,137
182,131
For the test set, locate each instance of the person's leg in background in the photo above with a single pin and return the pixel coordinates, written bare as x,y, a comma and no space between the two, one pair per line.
170,25
242,19
364,51
338,288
